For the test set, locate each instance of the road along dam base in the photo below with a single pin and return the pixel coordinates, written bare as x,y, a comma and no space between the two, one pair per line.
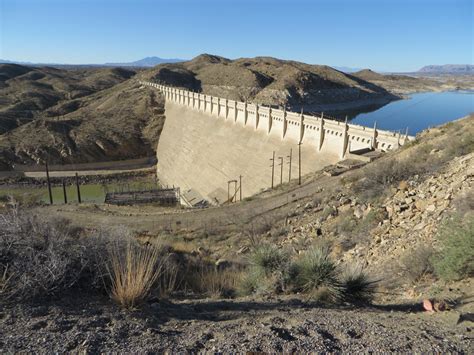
209,145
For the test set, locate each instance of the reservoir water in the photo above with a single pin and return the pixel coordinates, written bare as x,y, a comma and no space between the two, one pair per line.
418,112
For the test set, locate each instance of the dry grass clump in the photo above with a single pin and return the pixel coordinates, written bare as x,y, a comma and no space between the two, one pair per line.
133,272
219,283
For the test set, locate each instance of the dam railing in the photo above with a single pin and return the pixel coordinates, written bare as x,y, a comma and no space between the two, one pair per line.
299,127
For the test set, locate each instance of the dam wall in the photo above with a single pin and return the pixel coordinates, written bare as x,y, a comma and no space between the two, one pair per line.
208,141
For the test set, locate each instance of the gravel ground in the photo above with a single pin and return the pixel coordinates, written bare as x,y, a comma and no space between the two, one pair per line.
96,325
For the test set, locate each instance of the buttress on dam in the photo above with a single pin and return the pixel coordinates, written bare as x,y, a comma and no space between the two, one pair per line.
207,143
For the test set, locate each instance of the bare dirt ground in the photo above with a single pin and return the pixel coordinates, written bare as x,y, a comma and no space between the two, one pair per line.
244,325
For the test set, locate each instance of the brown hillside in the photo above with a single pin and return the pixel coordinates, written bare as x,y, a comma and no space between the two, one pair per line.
68,116
400,84
268,81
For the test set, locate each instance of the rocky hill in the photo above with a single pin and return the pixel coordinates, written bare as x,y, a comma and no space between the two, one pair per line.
448,68
387,212
269,81
68,116
403,84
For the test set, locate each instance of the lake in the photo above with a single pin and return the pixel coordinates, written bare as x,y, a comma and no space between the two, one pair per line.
418,112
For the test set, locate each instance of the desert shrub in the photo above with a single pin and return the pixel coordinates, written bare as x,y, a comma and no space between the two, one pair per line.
133,272
314,273
464,203
328,211
280,231
268,259
370,221
315,269
455,260
346,223
253,281
416,264
39,258
266,270
356,286
462,145
376,178
260,226
48,257
22,198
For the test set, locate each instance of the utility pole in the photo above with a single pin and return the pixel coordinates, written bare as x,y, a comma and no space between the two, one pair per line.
281,170
64,192
289,163
49,185
229,197
273,167
235,190
299,163
240,186
78,189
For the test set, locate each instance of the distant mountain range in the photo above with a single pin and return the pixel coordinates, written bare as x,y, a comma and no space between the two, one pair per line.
145,62
149,62
448,68
348,69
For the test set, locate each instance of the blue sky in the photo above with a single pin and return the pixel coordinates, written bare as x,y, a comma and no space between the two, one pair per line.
398,35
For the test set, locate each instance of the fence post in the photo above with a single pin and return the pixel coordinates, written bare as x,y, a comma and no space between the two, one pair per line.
64,192
49,185
78,189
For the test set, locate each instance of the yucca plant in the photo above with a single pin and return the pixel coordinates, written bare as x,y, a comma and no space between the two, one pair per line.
267,266
268,259
356,285
313,270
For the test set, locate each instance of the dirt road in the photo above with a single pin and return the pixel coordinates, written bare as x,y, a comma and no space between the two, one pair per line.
275,203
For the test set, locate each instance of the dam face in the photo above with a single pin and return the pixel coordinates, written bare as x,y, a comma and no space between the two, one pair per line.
208,141
200,152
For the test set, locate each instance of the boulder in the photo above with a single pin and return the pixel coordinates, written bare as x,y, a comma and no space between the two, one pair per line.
359,211
343,208
431,208
403,185
420,205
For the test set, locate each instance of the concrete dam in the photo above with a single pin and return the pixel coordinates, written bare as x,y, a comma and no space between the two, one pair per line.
209,144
